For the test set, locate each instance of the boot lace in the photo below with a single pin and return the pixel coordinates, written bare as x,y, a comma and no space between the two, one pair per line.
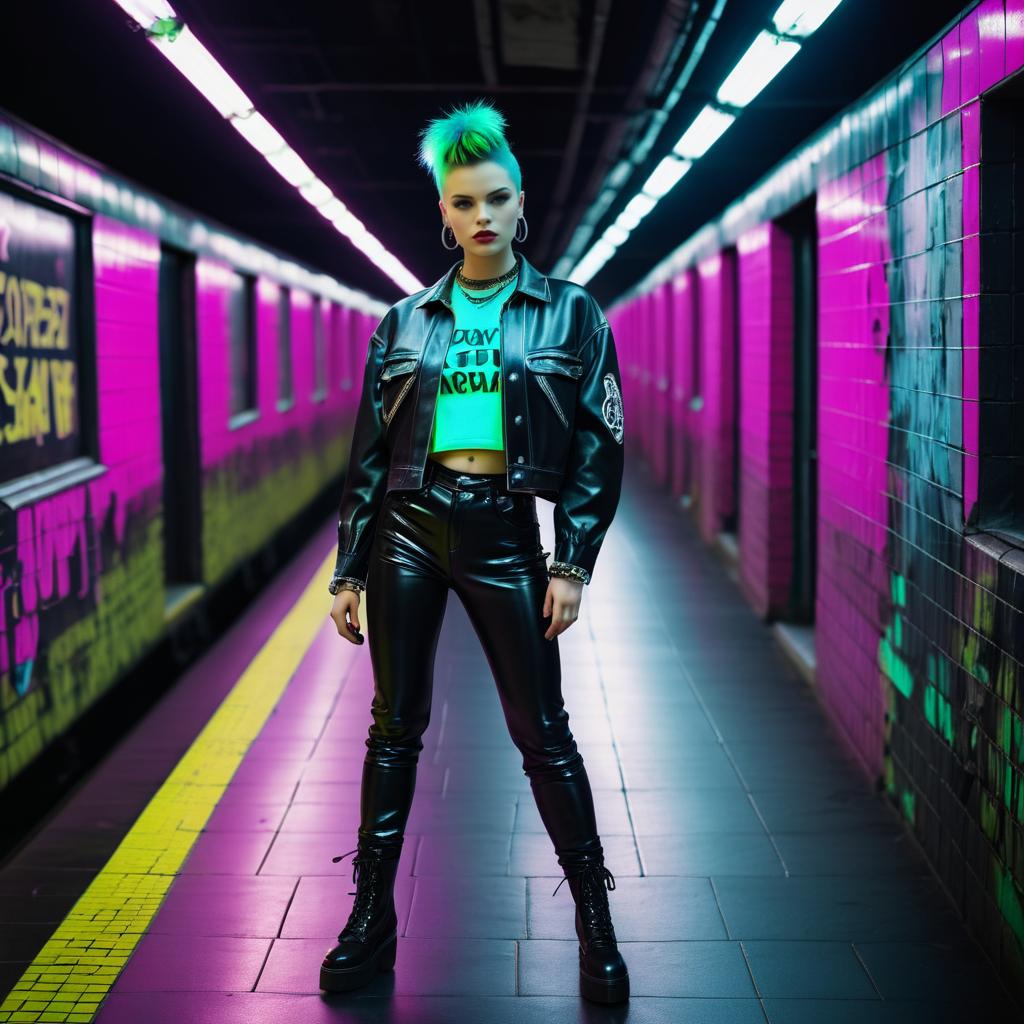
365,867
593,903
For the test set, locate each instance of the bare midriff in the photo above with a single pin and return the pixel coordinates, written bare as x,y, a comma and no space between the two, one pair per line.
472,460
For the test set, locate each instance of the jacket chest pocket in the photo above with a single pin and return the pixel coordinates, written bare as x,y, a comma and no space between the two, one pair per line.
557,373
396,378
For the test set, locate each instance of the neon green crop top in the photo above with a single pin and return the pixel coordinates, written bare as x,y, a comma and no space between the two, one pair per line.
468,413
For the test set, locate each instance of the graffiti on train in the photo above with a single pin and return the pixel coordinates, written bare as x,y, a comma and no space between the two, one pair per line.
39,380
50,564
37,388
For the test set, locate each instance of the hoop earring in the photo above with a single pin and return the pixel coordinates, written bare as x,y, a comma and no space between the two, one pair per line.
526,230
447,227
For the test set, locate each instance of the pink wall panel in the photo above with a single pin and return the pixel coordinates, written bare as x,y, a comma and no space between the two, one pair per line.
853,414
717,341
682,385
765,427
664,348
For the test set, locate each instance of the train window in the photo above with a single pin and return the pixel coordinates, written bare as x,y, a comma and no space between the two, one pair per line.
285,383
40,328
319,351
243,343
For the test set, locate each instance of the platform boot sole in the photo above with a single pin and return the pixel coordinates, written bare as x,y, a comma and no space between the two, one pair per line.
604,990
343,979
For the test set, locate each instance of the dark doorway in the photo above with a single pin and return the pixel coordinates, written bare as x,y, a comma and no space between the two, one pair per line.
179,419
731,338
801,225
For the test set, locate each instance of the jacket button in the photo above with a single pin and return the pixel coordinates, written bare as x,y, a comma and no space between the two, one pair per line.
519,419
517,476
513,376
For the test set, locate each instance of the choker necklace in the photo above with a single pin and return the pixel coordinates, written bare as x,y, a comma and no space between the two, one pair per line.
469,282
501,281
479,300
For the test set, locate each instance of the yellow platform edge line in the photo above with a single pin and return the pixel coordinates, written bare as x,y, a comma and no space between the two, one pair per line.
78,965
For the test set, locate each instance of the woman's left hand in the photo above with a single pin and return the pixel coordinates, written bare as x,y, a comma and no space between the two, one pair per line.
564,598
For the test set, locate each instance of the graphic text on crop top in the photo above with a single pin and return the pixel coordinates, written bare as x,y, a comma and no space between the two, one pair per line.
468,413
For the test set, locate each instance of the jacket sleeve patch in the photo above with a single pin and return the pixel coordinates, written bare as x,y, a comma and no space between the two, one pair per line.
611,407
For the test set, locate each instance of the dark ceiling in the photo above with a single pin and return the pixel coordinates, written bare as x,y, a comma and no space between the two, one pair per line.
351,85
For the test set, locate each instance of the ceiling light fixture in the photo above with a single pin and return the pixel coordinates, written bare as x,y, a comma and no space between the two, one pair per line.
772,49
176,41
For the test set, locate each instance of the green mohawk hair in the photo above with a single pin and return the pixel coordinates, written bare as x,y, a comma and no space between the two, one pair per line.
468,135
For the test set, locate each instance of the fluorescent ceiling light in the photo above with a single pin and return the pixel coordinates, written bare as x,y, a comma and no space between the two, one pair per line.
168,33
802,17
627,221
615,235
316,193
639,206
200,67
290,166
332,209
665,176
145,12
258,132
766,56
708,126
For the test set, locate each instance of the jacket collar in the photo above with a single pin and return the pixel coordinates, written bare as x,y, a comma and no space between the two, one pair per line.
530,281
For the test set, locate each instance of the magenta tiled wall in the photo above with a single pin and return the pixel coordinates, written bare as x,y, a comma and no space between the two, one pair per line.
645,374
682,384
853,430
766,416
660,335
718,410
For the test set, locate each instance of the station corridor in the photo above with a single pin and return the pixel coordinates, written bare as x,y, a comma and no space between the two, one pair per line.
757,876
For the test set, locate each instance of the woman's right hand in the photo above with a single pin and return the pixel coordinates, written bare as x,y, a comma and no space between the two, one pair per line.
346,602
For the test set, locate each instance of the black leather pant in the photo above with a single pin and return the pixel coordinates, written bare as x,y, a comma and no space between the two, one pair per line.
468,532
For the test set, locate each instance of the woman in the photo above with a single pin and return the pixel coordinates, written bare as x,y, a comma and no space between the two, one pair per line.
495,385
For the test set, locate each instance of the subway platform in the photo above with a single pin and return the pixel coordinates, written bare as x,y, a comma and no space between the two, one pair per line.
758,877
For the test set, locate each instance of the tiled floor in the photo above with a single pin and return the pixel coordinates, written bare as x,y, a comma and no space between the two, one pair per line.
757,877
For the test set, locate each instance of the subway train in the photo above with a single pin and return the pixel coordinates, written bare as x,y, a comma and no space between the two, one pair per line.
174,396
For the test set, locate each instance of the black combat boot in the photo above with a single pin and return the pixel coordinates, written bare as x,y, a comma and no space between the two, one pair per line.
603,974
368,942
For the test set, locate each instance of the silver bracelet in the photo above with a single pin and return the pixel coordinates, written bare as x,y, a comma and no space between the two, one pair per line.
569,571
349,583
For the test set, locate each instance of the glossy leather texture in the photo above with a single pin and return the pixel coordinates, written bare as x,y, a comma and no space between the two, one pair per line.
468,533
561,401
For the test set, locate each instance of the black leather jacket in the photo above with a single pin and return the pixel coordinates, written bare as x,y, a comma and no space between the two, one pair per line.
562,409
